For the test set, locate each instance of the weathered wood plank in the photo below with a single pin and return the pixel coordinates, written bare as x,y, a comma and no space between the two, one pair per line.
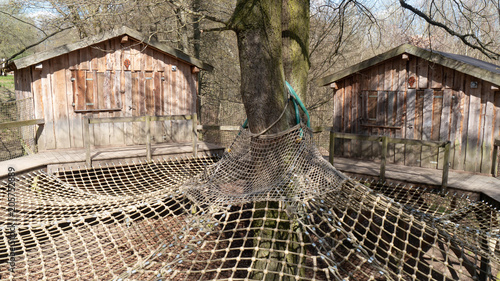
118,55
373,78
75,124
391,117
380,76
107,92
401,75
117,133
17,124
84,63
337,115
73,59
158,103
411,123
423,73
48,108
141,104
347,115
110,54
131,86
135,57
412,73
399,149
496,131
38,102
388,76
366,147
60,100
445,126
166,96
381,119
428,158
148,59
448,77
488,128
356,118
436,76
472,158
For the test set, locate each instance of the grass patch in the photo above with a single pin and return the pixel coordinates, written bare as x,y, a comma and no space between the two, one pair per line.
7,88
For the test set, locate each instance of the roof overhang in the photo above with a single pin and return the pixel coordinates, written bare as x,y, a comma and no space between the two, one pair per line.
476,68
64,49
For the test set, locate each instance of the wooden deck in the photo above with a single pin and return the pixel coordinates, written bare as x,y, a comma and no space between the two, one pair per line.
458,181
55,159
52,160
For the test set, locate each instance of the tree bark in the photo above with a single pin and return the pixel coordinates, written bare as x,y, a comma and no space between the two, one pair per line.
268,53
295,34
257,25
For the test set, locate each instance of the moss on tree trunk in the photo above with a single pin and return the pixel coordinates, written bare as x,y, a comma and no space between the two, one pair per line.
272,43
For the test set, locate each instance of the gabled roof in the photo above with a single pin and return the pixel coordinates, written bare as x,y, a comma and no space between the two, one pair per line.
86,42
471,66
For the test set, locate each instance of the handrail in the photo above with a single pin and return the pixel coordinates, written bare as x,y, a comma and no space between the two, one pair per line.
147,119
385,141
14,124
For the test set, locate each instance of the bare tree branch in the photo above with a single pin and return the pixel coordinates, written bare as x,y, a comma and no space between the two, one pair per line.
37,43
197,14
23,21
481,46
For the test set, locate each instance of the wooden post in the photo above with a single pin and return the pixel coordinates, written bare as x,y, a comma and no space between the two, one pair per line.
86,140
194,120
494,164
383,161
148,138
332,147
446,167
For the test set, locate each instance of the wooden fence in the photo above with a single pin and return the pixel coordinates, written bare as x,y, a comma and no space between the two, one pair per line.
385,140
147,119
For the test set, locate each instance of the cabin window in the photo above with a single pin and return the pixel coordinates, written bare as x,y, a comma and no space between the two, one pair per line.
95,91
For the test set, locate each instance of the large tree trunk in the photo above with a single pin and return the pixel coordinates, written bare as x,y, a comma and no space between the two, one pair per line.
261,40
258,28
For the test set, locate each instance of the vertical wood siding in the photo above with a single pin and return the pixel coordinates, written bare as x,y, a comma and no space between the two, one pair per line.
94,82
417,99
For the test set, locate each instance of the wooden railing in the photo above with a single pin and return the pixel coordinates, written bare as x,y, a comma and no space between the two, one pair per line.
147,120
385,140
18,124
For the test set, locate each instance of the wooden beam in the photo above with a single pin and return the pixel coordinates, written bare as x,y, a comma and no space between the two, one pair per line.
86,140
218,127
148,138
494,160
21,123
446,167
332,147
383,158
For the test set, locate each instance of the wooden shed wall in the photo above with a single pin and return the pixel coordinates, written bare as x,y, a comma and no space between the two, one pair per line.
416,99
95,82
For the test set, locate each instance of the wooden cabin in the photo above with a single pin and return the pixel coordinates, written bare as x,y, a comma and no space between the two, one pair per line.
117,74
414,93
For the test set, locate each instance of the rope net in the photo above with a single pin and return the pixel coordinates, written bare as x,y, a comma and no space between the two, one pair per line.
271,208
